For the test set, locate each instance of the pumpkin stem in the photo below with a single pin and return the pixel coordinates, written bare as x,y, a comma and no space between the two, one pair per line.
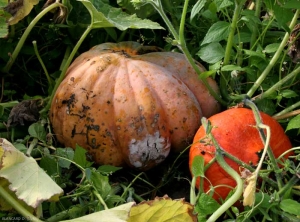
220,159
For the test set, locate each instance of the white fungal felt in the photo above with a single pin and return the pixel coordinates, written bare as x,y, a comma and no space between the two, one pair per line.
150,148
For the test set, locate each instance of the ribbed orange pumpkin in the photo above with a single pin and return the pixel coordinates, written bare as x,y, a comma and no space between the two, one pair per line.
126,104
235,132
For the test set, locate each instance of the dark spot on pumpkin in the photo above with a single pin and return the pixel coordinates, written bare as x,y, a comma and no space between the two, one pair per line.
73,131
93,127
108,102
69,101
85,108
93,62
90,119
108,133
184,120
72,79
203,152
125,54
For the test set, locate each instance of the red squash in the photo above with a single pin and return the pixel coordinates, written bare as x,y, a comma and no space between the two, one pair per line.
235,132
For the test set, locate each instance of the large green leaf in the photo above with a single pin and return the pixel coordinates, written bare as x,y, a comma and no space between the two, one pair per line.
211,53
30,183
217,32
103,15
294,123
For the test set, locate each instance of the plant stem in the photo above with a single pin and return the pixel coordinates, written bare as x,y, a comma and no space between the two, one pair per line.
277,85
233,26
181,43
32,145
288,185
65,68
17,206
276,56
50,81
288,109
100,199
257,14
287,115
239,188
182,46
26,33
158,7
272,158
131,183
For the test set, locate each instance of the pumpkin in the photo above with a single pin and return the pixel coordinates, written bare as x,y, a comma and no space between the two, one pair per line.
235,132
129,104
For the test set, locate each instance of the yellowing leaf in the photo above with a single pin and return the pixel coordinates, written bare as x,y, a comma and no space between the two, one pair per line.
29,182
162,209
4,205
19,9
116,214
249,187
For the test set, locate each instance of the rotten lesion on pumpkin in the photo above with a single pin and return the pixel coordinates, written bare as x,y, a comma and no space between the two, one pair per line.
71,105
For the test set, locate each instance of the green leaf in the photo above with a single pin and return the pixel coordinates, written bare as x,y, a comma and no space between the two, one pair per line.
283,16
217,32
287,93
108,169
206,205
49,165
254,53
221,4
211,53
116,214
103,15
67,153
80,157
294,123
232,67
197,8
100,183
267,106
37,130
198,166
30,183
271,48
292,4
142,11
207,74
290,206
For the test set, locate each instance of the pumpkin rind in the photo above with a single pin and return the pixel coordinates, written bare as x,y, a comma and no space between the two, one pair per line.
129,108
235,132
